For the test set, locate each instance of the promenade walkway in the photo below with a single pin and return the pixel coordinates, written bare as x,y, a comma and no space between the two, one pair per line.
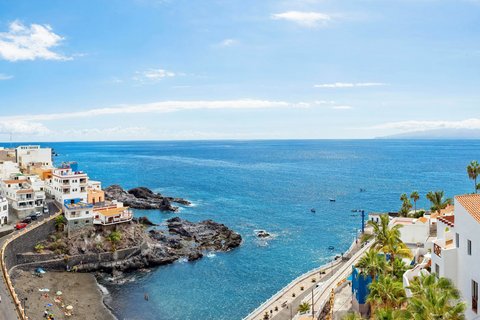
283,305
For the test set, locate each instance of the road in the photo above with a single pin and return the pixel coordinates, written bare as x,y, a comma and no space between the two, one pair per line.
7,307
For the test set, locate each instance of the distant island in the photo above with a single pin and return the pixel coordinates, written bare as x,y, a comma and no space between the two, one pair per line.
437,134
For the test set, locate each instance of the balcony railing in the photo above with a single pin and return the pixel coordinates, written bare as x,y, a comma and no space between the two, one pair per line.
437,249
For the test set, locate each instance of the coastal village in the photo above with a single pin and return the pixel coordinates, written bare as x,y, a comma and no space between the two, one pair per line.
29,181
410,264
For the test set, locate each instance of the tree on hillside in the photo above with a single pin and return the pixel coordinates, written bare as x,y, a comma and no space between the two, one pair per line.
415,196
114,237
437,201
473,170
434,299
60,222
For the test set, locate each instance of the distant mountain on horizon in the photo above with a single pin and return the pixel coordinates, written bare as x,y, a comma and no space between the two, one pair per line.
437,134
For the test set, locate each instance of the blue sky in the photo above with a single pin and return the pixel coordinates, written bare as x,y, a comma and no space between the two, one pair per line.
239,69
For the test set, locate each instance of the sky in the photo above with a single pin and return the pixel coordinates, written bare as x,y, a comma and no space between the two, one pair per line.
236,69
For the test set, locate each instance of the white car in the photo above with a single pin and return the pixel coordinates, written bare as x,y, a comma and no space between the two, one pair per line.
45,210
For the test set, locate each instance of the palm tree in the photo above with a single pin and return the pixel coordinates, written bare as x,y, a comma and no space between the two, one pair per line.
352,316
386,293
473,170
398,268
435,299
415,196
391,314
437,201
60,222
372,263
304,307
114,237
406,205
386,238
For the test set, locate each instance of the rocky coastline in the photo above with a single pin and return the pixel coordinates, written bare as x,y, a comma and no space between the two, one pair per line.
143,198
159,245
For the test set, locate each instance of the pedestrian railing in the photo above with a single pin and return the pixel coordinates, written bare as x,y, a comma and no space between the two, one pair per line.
18,305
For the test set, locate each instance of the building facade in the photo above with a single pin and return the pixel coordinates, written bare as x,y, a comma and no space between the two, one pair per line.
33,154
66,184
78,214
22,196
456,250
3,211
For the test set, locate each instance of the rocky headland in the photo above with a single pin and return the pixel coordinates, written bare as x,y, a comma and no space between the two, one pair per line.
143,198
173,240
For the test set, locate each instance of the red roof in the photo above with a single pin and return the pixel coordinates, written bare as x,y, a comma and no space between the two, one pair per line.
471,203
448,220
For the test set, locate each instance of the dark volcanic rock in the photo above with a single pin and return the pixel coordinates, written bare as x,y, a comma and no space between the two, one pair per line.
145,221
143,198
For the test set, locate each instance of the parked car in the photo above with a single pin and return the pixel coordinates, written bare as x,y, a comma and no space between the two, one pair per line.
27,220
33,217
45,210
20,225
38,214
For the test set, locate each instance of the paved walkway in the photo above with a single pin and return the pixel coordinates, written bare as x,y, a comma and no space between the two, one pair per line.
7,307
283,305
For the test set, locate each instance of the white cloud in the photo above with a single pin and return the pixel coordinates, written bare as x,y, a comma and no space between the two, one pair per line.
32,42
229,43
305,19
342,107
349,85
161,107
152,75
113,131
22,127
419,125
5,76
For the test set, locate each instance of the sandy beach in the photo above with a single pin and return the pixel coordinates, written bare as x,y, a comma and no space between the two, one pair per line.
79,290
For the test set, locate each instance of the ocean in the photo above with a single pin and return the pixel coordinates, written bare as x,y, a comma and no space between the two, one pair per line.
270,185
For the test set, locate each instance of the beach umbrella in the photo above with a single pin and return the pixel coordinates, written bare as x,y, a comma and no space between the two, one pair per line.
59,293
69,308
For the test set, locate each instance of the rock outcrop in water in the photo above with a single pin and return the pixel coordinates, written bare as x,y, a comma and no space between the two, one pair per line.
178,239
143,198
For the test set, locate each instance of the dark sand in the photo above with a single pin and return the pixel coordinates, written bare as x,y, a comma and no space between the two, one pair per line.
79,290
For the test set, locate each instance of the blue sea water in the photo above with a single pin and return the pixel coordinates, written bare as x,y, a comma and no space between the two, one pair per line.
269,185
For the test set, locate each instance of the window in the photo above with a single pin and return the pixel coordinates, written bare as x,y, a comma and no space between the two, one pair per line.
437,270
469,247
474,296
87,221
457,240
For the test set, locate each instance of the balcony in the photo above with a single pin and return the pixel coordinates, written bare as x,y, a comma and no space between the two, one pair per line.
437,250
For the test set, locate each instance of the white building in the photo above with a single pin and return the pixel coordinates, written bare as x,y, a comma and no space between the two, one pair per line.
456,251
77,213
3,211
67,184
111,213
33,154
22,197
413,231
8,169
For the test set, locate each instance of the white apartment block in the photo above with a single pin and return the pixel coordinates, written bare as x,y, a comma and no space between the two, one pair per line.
3,211
22,196
456,251
33,154
9,169
67,184
77,213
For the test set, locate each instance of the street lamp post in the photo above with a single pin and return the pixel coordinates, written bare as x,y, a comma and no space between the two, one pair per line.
363,218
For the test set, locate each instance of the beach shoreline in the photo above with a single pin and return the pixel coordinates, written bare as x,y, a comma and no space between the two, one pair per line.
81,291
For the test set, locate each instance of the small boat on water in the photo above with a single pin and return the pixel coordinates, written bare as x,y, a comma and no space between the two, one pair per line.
331,248
332,200
363,190
313,210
